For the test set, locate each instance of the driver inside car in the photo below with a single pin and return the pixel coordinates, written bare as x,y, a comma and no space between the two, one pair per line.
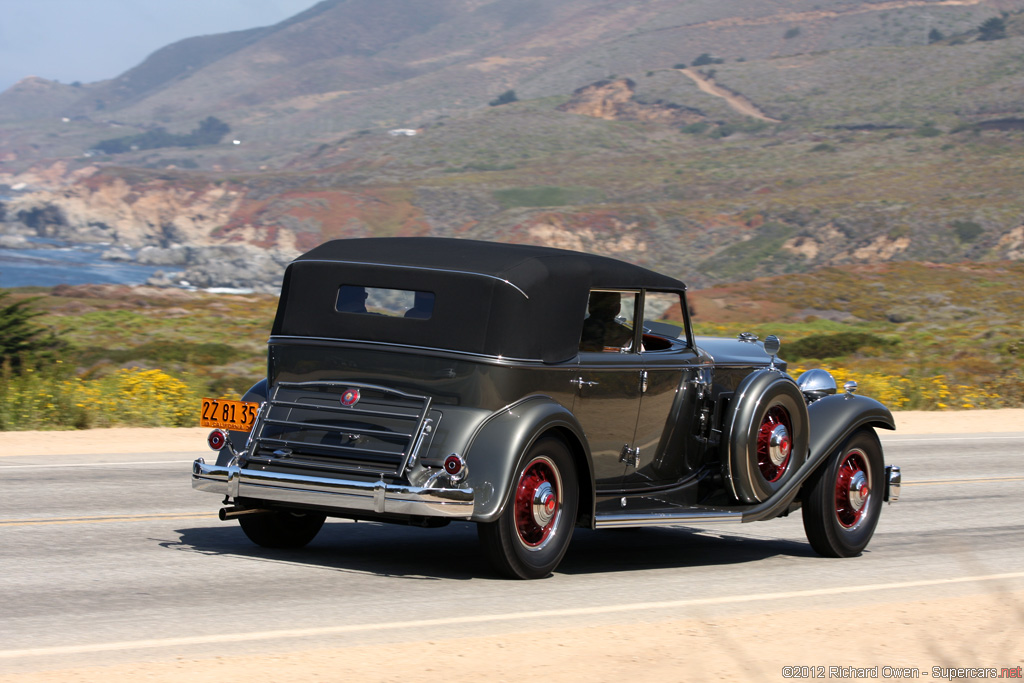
601,331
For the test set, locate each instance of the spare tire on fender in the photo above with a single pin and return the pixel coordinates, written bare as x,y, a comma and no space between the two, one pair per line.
768,435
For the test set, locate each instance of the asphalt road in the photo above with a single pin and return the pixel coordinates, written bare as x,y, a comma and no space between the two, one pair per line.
116,558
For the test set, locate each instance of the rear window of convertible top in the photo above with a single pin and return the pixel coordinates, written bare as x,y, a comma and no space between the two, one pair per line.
395,303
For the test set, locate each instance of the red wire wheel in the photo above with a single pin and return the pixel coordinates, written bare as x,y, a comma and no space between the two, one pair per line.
853,489
531,534
842,500
538,502
774,444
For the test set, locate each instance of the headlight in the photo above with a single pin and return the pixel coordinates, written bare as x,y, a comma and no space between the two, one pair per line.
816,384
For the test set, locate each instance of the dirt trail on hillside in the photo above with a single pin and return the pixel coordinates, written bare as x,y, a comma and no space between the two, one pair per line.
734,100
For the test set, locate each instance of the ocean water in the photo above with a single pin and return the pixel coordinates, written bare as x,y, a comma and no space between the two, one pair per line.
56,263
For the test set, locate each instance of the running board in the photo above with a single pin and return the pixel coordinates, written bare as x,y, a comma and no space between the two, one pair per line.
667,519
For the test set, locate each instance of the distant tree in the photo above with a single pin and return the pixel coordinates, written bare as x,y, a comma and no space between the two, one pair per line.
507,97
22,342
967,231
992,29
791,33
935,35
705,59
211,130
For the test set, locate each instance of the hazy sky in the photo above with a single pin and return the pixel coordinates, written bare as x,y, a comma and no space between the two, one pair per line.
92,40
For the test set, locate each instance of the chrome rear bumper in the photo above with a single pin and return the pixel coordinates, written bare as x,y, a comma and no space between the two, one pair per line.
332,494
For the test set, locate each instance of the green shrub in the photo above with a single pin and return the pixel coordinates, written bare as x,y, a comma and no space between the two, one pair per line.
992,29
162,352
22,341
546,195
705,59
820,346
967,231
507,97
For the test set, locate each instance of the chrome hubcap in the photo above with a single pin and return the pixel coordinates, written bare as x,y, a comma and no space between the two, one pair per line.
858,490
544,504
779,445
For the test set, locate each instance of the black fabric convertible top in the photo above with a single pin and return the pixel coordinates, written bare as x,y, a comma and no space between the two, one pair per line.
508,300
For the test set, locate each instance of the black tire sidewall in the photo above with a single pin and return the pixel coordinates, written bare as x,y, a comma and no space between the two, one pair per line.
282,528
820,515
507,551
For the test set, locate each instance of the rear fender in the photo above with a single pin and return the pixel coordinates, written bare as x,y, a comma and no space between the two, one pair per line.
257,394
495,449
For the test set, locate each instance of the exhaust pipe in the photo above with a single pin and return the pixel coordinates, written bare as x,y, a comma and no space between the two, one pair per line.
230,513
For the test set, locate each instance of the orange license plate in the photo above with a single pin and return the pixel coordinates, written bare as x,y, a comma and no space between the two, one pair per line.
220,413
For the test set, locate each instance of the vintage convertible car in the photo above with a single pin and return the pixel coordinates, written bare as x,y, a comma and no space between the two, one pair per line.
529,390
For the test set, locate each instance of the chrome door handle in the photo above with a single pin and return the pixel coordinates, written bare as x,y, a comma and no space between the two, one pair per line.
580,382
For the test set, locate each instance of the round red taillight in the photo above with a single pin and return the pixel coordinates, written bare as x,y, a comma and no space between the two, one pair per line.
217,439
453,464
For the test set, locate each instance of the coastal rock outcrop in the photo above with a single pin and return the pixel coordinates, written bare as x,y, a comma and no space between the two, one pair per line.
158,214
241,267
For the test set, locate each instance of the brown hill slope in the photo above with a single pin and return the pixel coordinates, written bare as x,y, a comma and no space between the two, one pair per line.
350,64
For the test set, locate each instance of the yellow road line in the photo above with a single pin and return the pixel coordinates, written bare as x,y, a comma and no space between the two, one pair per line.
104,520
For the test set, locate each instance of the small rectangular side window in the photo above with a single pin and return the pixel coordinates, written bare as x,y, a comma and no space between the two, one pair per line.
663,320
393,303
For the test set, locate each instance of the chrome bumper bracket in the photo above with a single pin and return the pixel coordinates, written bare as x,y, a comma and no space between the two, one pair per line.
893,481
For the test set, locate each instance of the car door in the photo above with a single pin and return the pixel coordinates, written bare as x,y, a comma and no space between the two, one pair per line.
608,383
667,443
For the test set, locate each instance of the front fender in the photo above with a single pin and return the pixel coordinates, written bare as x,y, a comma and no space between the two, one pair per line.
832,419
499,442
835,417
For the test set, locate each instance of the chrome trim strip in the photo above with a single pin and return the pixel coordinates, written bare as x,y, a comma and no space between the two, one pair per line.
666,519
338,494
447,352
432,270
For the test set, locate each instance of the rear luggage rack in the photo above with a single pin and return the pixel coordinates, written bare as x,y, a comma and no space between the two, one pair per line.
347,426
